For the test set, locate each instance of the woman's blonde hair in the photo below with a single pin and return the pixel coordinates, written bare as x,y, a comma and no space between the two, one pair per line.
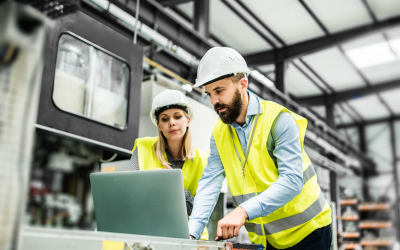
187,149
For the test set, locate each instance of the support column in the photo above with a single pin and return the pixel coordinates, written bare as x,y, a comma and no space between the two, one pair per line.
363,147
396,179
330,114
280,76
202,17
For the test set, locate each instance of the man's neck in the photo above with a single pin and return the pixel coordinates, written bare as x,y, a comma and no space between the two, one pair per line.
241,120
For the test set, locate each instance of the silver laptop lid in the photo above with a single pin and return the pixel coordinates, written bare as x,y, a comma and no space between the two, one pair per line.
141,202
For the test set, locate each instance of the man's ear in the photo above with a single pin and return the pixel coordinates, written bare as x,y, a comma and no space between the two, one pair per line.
243,83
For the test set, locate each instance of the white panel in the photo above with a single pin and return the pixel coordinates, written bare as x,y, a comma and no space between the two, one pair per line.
385,8
393,33
271,76
342,117
179,17
186,8
335,69
378,142
233,31
369,107
379,185
287,18
337,15
320,110
311,75
354,135
382,73
298,84
350,111
266,68
392,98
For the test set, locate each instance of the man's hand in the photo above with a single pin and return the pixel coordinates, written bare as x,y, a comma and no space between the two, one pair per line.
230,225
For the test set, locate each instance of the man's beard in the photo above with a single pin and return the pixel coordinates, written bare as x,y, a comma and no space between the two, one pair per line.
233,109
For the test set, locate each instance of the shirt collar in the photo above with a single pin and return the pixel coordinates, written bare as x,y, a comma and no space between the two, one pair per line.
254,103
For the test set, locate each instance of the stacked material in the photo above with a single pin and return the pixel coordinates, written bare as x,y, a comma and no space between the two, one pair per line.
21,42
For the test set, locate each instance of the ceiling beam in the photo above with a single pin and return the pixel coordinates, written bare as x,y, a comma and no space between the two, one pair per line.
369,122
242,15
201,19
343,96
299,49
168,3
153,14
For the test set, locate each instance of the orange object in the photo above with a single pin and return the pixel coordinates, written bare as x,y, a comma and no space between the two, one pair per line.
350,218
351,235
350,246
377,224
374,206
349,202
376,243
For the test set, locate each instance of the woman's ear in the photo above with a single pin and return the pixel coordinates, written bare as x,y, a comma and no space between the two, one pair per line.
189,120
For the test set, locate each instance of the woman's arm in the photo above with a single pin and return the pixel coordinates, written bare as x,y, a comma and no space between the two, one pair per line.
134,162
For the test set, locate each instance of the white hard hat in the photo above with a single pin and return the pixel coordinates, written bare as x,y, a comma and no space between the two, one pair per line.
169,99
219,63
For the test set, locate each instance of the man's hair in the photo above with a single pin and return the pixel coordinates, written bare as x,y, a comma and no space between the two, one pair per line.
237,77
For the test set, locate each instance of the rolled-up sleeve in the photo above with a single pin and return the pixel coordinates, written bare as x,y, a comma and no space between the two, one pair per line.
207,193
289,184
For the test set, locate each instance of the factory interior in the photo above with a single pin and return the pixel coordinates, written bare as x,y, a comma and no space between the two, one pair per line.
78,79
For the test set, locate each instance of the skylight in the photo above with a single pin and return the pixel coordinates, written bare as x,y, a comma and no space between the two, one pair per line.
395,44
374,54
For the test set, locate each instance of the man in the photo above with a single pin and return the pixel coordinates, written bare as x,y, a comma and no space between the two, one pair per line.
275,187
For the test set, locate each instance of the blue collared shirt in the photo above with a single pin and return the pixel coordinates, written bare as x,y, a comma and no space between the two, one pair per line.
284,148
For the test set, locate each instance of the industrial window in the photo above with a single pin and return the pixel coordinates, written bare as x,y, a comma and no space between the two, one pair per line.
91,82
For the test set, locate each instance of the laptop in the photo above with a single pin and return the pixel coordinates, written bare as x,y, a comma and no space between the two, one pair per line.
148,202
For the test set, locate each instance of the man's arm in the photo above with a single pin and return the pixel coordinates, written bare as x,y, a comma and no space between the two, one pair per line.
207,193
287,151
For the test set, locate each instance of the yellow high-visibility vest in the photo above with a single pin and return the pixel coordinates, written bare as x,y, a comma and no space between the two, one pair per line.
192,169
291,223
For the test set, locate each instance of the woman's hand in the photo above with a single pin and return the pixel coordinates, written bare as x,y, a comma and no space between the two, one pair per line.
167,166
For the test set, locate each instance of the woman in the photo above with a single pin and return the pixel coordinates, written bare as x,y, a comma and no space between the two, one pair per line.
173,148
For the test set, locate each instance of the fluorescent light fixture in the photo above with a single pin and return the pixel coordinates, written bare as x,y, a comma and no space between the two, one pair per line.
262,79
371,55
101,3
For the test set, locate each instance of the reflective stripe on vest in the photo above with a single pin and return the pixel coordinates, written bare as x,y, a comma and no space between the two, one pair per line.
288,222
296,220
307,175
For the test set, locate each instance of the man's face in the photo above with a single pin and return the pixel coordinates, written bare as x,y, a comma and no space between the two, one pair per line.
226,98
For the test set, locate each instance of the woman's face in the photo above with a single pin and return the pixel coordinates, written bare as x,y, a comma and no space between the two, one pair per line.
173,124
